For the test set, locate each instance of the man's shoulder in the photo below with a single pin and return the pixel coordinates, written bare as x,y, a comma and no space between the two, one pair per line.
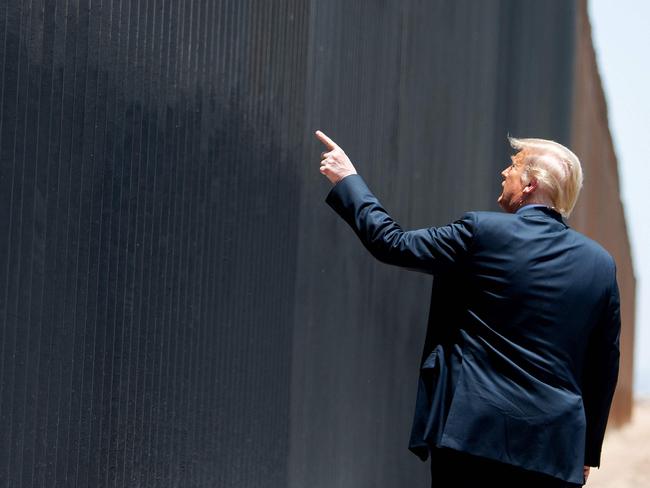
486,217
483,219
592,245
500,221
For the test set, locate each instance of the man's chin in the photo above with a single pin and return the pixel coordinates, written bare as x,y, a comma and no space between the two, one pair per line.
500,201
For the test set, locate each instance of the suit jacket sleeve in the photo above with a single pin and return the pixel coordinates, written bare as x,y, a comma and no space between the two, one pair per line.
429,250
601,375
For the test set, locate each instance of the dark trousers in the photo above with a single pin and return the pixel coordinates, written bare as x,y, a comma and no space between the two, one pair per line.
454,469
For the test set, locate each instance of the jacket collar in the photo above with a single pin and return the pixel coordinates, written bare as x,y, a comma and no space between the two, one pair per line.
537,209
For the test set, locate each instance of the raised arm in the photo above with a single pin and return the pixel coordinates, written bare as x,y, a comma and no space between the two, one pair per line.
429,250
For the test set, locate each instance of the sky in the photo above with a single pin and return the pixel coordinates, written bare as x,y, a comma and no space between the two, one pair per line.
621,37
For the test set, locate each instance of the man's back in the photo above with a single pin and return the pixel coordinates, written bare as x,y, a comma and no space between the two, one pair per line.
521,355
533,291
540,286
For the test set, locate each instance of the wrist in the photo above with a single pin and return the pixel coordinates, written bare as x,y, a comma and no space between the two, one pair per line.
345,176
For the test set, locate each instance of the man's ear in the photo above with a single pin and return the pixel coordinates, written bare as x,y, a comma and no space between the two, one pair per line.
531,186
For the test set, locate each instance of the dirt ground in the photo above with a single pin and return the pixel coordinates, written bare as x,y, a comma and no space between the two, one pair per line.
625,459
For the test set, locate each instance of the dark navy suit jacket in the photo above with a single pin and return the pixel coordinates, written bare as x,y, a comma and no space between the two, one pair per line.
521,355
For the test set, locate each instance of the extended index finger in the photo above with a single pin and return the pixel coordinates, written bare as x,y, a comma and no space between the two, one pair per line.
325,140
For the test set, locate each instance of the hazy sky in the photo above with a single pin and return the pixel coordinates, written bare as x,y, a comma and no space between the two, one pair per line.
621,35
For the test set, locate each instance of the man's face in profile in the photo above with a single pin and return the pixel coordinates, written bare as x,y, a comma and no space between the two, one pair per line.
512,193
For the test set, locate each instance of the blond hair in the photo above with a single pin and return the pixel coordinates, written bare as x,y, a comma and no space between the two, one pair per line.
557,170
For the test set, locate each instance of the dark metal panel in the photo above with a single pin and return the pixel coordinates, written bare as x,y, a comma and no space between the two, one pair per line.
149,192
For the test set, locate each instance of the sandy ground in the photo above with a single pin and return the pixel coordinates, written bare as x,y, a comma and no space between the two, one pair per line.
625,459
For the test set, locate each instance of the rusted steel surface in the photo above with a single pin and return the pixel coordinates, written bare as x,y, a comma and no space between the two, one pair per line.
599,212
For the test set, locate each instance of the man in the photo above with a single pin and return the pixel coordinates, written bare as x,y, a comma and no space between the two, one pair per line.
521,356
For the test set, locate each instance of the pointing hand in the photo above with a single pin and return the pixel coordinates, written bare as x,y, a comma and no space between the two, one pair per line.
334,164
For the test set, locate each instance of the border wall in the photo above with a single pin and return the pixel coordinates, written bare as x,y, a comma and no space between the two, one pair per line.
178,305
